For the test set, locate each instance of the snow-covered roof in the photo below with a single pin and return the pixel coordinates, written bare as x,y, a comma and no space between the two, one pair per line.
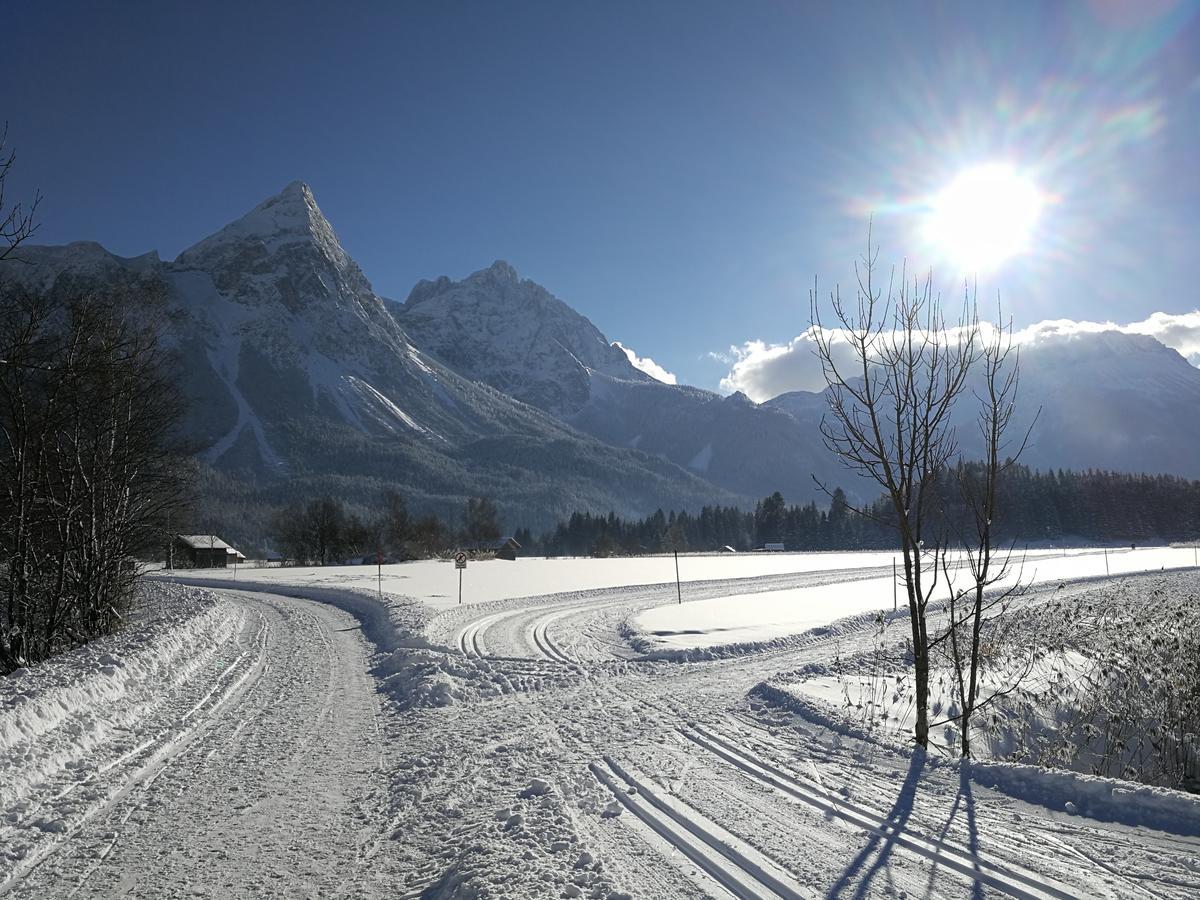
204,542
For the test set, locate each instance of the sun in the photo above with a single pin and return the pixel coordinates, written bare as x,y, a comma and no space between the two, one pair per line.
984,217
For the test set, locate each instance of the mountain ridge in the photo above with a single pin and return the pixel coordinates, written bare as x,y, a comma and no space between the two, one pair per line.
298,375
303,379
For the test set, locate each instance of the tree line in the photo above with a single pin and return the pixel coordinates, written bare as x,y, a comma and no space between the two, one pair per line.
1092,506
324,531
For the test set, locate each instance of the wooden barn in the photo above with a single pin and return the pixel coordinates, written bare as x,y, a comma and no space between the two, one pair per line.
501,548
203,551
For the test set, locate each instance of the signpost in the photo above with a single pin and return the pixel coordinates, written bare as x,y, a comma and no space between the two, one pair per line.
460,563
379,571
678,589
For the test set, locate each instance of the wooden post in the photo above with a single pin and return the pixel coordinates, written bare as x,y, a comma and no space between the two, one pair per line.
379,570
1106,572
678,589
460,571
895,595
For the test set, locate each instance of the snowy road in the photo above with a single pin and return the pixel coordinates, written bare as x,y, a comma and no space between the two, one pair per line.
286,762
268,783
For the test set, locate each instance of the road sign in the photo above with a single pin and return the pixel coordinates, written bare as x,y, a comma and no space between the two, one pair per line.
460,563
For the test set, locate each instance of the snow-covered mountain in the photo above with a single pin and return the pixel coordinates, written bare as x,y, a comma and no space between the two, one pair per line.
299,379
1107,400
513,334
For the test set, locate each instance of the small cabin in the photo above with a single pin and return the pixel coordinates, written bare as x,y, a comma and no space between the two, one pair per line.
773,548
501,548
204,551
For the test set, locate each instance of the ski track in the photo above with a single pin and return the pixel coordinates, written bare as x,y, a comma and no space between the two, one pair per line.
584,770
1005,862
267,785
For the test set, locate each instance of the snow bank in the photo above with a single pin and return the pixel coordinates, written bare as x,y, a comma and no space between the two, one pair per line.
53,717
1071,793
390,622
1106,799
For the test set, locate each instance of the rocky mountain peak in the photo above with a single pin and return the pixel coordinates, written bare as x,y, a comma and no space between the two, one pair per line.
499,271
513,334
289,217
284,251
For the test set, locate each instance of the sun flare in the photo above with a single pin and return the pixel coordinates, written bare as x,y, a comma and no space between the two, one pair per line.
982,218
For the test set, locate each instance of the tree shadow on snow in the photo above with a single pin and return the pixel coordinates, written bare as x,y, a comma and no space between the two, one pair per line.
964,799
874,858
880,846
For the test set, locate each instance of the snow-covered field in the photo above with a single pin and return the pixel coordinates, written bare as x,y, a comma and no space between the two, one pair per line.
767,616
299,734
435,582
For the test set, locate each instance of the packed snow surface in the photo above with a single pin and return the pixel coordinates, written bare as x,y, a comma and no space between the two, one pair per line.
435,582
762,617
300,733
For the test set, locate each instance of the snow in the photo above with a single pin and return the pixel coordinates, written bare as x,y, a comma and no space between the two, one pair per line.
435,582
760,618
329,739
700,462
66,723
373,396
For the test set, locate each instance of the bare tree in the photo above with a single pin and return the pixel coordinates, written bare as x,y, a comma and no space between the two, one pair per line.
891,390
86,410
978,607
16,220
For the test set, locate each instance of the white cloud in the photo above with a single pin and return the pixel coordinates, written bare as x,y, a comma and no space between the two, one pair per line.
647,365
762,371
1180,332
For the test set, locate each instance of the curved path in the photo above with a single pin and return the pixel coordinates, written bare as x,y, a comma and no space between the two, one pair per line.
568,766
747,796
270,786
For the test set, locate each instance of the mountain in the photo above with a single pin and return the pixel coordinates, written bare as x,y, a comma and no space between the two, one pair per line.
514,335
1108,400
300,381
1103,400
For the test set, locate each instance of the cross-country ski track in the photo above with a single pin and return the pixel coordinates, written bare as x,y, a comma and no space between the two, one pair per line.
567,764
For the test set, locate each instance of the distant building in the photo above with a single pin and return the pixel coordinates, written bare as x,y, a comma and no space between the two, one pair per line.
501,548
204,551
727,549
773,548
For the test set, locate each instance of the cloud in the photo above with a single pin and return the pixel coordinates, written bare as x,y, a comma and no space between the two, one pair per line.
762,371
647,365
1180,332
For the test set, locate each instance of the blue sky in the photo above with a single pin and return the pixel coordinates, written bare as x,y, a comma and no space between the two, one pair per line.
677,172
